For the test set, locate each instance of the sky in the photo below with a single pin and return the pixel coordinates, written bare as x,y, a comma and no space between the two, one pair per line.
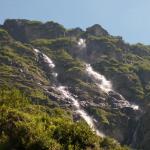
127,18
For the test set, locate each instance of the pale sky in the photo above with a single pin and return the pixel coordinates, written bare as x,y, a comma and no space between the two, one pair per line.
127,18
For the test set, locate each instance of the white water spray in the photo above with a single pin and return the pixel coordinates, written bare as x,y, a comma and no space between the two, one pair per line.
46,59
80,111
106,86
135,107
49,61
67,95
82,43
99,79
36,50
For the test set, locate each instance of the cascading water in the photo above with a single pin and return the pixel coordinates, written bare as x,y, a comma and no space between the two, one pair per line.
46,59
82,43
99,79
106,86
67,95
79,110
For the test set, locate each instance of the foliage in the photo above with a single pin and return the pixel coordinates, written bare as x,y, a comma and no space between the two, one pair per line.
38,121
4,36
12,98
58,43
23,128
111,144
34,22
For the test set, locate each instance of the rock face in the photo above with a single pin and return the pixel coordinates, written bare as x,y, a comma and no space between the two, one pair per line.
96,30
141,135
101,47
25,31
77,32
124,83
140,49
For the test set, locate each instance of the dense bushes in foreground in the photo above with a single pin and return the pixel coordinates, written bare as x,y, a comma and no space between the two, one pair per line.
24,126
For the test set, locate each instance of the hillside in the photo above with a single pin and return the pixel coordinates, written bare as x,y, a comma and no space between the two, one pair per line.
71,89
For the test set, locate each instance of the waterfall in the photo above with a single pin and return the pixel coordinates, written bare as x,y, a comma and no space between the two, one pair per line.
67,95
99,79
46,59
82,43
106,86
79,110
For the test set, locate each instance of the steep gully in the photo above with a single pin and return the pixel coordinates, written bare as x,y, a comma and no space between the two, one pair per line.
97,78
67,95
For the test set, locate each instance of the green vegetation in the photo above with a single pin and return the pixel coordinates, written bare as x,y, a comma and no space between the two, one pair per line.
27,126
4,36
101,115
120,61
42,120
55,44
125,75
20,69
103,39
34,23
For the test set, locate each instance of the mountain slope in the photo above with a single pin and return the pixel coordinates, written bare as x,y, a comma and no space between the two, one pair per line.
116,112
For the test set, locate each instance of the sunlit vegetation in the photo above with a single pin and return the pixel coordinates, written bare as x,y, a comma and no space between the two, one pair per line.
27,126
31,119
